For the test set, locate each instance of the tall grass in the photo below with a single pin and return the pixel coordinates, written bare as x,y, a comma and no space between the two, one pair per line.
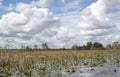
46,62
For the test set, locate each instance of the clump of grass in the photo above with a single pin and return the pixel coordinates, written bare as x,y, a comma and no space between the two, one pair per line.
70,70
6,71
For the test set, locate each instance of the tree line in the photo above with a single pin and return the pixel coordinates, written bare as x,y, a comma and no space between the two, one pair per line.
87,46
96,46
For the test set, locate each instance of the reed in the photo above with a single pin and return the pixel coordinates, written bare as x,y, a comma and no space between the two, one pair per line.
44,62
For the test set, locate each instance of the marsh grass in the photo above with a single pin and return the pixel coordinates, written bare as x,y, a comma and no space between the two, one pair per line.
44,62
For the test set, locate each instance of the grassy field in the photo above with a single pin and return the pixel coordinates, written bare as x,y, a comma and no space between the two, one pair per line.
48,63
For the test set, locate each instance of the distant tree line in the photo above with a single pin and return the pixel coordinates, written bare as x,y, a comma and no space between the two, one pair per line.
115,45
87,46
44,46
96,46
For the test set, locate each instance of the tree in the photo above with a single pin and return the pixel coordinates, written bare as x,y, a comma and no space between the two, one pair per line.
7,44
22,47
76,47
35,47
108,46
44,46
28,48
89,45
92,47
97,45
116,45
83,47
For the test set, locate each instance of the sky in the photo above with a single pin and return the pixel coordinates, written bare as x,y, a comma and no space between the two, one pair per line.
59,23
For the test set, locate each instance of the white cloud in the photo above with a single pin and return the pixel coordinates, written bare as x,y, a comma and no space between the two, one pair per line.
15,18
115,3
44,3
28,22
63,1
92,24
71,6
31,24
92,18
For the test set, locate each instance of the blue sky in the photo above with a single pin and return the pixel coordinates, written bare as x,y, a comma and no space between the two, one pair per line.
60,23
54,6
7,2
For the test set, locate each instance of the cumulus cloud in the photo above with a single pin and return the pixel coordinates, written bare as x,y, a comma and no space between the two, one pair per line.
95,22
92,23
26,22
33,23
15,18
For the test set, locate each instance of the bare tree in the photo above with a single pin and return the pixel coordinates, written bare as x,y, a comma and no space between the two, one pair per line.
44,46
7,44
